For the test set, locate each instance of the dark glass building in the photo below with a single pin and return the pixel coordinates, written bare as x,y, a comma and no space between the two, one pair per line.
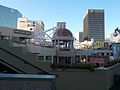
9,17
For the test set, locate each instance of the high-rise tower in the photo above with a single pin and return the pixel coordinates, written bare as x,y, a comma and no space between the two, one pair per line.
94,24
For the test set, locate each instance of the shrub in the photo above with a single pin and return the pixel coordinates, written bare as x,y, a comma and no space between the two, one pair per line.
73,66
108,64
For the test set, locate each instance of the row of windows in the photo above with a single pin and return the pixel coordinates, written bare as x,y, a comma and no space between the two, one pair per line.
28,25
5,37
46,58
54,58
100,18
96,15
96,27
95,18
99,34
95,31
96,22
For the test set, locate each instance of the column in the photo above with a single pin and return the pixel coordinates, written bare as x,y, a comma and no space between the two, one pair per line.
57,59
58,43
71,44
71,61
52,59
0,35
44,58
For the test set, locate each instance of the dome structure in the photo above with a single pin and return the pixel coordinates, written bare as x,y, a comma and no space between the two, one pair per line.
62,32
63,43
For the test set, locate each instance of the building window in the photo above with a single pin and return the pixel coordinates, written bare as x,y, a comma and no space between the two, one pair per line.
33,22
111,54
5,37
28,25
41,58
64,45
107,54
31,29
102,54
16,39
55,59
48,58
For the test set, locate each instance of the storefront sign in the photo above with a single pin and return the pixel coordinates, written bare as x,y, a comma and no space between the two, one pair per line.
96,60
22,32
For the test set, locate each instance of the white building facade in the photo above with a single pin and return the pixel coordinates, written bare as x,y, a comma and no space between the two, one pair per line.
32,25
26,24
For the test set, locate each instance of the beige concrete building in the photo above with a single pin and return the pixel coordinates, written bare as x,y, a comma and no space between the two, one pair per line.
16,35
26,24
94,24
32,25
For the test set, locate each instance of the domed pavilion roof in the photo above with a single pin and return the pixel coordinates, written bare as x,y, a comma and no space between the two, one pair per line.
62,32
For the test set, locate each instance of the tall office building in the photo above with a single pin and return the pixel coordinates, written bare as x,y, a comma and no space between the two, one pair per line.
94,24
81,37
9,17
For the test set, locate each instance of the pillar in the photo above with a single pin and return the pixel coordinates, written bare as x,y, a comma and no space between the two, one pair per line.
57,59
52,59
58,43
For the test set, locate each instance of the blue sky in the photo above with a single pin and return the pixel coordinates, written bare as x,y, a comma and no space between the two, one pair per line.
71,11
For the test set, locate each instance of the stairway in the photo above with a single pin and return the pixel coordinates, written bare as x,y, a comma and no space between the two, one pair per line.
18,60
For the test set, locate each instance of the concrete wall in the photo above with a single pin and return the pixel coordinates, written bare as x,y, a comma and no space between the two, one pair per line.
23,82
78,79
42,50
12,84
10,32
110,72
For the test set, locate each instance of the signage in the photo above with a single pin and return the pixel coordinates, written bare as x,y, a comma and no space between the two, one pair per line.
22,32
96,60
